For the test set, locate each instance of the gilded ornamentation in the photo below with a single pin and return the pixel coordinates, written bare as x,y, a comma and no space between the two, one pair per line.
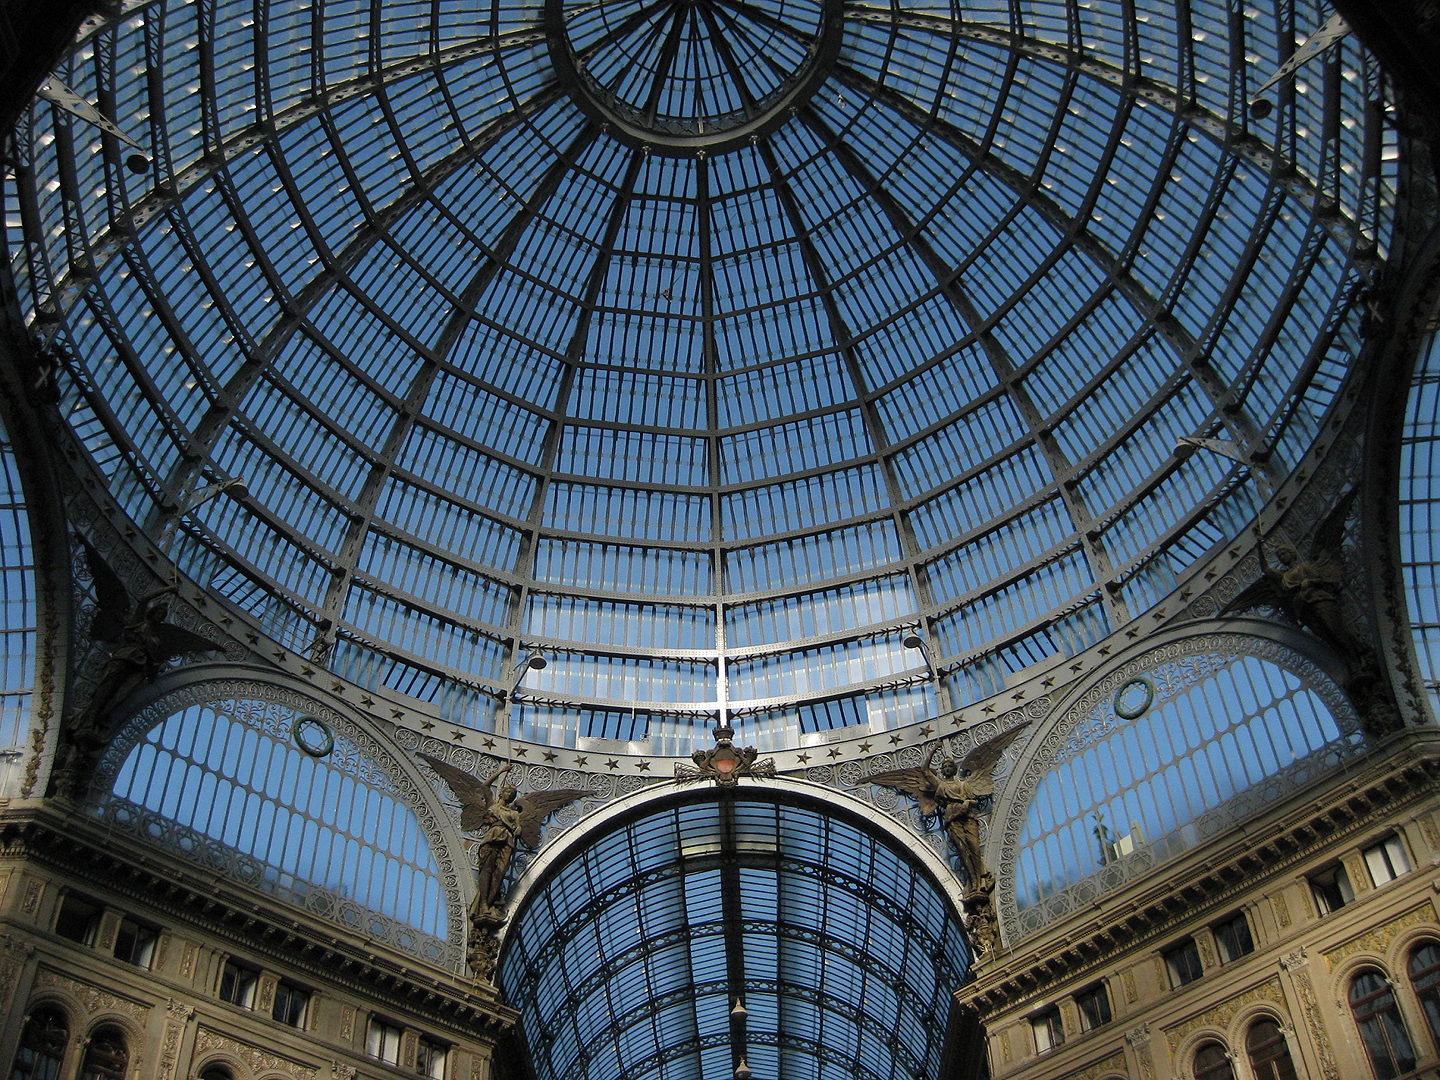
187,960
259,1061
1219,1016
1127,978
1292,960
347,1023
31,899
1311,1008
1139,1039
342,1072
92,999
1112,1064
1378,938
1282,909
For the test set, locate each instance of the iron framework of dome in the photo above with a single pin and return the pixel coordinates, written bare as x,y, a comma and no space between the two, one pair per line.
812,367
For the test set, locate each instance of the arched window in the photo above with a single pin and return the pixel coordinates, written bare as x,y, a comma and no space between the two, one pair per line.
1212,1062
1425,977
42,1046
1142,764
216,1072
1387,1043
106,1056
329,832
1269,1053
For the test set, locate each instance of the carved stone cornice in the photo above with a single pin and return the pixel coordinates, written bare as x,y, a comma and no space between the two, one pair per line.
1404,767
294,940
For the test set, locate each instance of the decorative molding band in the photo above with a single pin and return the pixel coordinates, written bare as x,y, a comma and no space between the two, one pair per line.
1378,939
1221,1015
1115,1063
259,1061
91,998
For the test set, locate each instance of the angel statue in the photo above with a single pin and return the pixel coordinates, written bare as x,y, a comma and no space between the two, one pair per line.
956,799
141,643
1307,590
503,822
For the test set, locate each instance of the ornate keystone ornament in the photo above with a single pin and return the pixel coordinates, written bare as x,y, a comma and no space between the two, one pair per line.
724,764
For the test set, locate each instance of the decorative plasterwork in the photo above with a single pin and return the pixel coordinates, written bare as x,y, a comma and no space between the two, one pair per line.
1311,1008
258,1060
1377,940
178,1014
1220,1016
92,998
1190,659
1111,1065
375,759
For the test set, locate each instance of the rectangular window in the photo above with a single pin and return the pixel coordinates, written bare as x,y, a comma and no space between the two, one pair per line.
78,919
1094,1006
237,984
430,1059
383,1041
1387,860
1232,938
1331,889
135,943
291,1004
1049,1030
1183,963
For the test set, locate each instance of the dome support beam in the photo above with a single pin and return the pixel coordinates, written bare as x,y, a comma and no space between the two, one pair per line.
1241,427
363,511
874,422
1081,516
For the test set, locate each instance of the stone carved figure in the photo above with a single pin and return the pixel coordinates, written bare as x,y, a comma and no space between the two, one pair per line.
503,822
1307,590
957,800
141,643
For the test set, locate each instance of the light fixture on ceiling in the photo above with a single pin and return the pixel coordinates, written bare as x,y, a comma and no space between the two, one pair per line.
534,661
742,1071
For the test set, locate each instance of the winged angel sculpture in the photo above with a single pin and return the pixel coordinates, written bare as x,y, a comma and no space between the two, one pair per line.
1307,589
956,799
503,822
141,643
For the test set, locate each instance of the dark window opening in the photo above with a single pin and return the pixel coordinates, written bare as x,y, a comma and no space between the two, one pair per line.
1232,938
1183,963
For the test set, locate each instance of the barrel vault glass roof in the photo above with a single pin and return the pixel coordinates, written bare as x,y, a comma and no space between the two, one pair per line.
507,362
842,953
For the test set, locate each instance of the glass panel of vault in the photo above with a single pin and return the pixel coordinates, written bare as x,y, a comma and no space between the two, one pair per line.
17,619
628,961
1136,789
225,784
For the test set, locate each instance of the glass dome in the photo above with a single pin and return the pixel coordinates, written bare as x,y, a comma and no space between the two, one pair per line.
793,363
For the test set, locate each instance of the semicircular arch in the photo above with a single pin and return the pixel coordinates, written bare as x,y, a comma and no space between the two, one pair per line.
210,768
777,895
1091,757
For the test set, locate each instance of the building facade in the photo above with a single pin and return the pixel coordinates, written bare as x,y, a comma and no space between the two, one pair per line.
718,539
